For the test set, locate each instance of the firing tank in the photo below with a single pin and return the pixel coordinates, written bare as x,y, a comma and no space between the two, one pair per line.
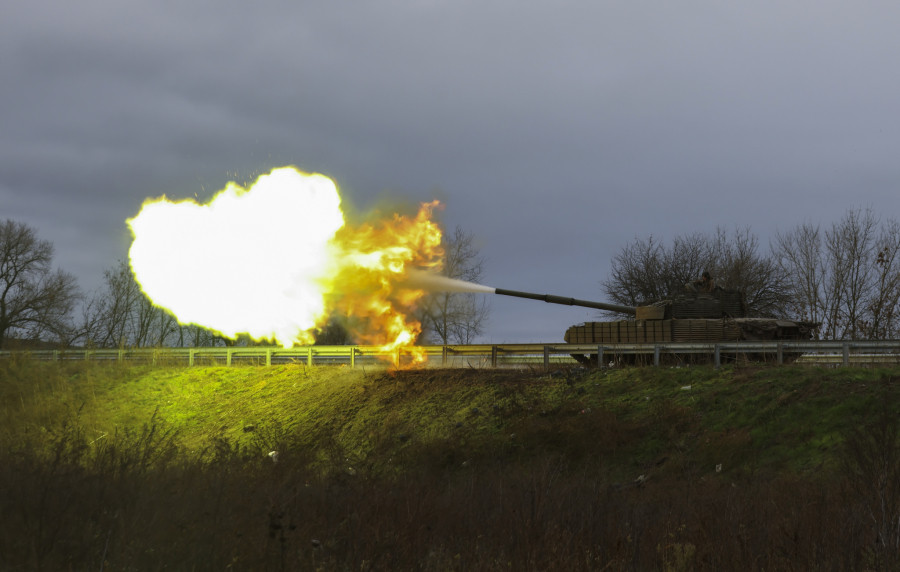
717,316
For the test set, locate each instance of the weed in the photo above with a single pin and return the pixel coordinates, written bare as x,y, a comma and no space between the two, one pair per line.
871,463
135,467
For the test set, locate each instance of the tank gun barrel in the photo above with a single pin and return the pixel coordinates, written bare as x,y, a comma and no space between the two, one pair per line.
551,299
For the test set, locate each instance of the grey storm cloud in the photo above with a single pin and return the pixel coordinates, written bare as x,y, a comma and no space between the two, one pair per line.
555,132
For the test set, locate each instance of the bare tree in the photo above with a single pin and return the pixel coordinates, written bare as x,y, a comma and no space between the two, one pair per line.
736,263
851,245
121,315
197,336
847,277
799,255
473,311
883,305
457,317
638,274
647,270
108,316
34,299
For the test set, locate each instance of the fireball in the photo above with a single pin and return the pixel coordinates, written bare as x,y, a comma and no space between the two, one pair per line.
277,259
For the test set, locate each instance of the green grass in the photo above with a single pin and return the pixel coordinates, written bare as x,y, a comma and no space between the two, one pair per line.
679,422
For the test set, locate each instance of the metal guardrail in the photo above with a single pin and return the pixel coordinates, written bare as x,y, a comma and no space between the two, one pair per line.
494,355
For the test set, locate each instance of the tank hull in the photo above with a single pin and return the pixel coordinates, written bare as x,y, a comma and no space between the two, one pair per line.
688,330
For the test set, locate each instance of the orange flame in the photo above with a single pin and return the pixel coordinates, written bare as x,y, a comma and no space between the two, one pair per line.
374,259
276,260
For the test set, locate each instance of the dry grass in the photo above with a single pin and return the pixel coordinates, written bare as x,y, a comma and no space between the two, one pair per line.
440,486
135,501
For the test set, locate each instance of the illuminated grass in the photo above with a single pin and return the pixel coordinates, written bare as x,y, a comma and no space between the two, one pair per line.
635,420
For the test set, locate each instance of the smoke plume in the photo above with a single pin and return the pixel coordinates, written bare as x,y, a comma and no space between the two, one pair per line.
422,280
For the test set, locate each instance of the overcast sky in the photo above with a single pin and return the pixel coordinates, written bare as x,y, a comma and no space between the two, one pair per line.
554,131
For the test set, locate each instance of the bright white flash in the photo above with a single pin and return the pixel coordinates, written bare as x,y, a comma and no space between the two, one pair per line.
247,262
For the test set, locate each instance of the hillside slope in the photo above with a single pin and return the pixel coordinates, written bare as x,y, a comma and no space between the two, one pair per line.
628,422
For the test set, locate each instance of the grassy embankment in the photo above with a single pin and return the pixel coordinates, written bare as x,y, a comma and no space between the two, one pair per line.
629,421
145,468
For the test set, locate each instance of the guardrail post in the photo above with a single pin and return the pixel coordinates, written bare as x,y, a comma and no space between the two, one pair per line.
656,355
228,358
399,356
846,348
547,358
55,355
309,357
87,355
780,353
493,356
717,362
600,361
191,358
268,356
352,357
444,353
121,356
